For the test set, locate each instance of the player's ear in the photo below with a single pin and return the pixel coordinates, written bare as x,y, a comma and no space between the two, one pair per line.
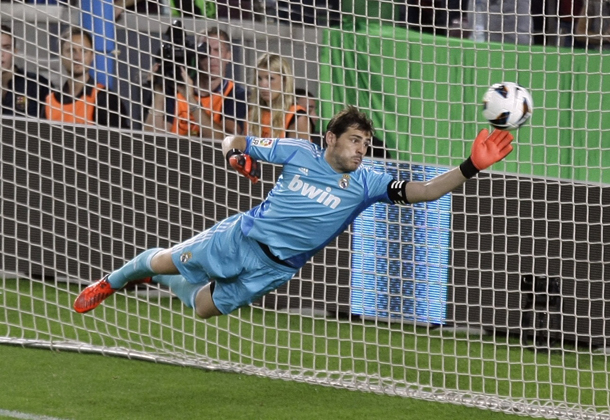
331,139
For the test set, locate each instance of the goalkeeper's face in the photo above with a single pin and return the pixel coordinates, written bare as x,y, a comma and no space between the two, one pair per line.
345,152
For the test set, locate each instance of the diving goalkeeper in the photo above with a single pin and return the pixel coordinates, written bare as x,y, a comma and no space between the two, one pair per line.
320,192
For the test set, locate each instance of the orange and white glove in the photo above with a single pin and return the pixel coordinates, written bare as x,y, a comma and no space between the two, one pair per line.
487,149
244,164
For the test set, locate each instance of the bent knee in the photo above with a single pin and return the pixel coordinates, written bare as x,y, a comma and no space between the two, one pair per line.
204,304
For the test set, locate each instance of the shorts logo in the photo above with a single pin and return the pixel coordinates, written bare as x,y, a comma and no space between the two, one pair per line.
263,142
185,257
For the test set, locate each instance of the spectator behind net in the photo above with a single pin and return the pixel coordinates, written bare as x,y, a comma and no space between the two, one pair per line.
165,102
176,52
272,111
22,93
81,99
217,104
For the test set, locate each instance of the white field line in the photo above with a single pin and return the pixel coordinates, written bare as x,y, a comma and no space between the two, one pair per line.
25,416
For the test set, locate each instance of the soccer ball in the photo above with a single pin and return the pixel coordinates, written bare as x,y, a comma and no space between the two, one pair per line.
507,105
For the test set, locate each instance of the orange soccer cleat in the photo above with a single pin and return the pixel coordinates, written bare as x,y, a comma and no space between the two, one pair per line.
96,293
93,295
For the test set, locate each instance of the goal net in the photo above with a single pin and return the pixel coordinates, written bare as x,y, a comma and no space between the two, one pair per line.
494,296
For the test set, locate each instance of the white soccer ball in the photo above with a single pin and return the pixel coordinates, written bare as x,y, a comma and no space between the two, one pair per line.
507,105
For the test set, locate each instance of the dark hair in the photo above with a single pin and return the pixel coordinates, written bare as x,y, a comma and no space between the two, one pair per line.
69,33
223,35
5,29
350,117
302,93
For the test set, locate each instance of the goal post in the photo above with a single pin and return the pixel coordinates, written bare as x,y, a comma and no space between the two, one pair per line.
494,296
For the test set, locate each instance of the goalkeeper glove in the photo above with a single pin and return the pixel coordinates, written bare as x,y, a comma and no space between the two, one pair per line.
244,164
487,149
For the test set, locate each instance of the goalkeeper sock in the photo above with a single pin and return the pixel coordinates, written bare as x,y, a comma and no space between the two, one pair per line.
136,269
180,286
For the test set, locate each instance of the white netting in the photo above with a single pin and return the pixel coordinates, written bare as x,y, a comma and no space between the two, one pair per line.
494,296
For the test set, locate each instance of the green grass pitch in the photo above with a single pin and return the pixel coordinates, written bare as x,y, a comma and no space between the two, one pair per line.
71,385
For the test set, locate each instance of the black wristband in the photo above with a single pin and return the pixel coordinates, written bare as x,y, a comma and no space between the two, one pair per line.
232,152
468,169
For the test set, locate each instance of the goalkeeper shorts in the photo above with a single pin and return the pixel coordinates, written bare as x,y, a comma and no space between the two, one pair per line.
242,271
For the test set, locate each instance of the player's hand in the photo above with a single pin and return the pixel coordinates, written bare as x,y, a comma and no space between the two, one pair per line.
488,149
189,88
245,165
147,77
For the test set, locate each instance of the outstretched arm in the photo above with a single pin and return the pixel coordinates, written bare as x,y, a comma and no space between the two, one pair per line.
487,149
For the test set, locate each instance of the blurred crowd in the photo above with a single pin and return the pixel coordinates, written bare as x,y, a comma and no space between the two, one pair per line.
194,94
567,23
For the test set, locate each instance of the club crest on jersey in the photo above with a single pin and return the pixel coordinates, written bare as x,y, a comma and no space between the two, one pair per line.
262,142
21,103
185,257
344,181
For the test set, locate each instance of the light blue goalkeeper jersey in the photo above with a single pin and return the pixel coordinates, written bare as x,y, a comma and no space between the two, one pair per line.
311,203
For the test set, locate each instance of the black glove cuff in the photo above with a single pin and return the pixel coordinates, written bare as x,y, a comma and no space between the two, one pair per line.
232,152
468,169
